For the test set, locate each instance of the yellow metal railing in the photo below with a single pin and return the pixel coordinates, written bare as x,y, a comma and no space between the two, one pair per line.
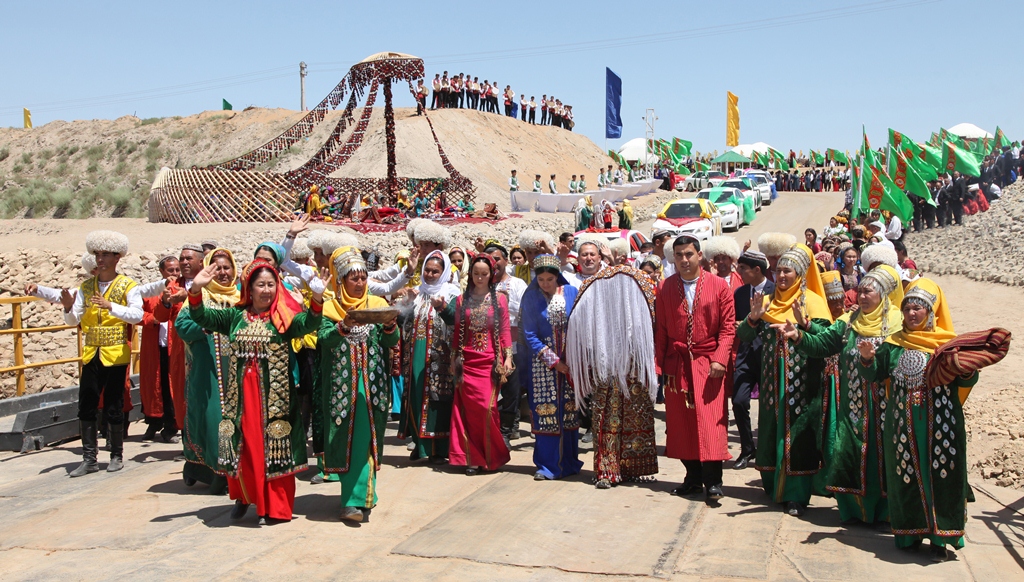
19,331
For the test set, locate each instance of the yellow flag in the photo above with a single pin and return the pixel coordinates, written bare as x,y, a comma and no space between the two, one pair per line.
28,119
732,120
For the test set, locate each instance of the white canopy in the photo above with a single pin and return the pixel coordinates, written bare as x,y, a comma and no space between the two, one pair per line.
636,149
969,130
746,149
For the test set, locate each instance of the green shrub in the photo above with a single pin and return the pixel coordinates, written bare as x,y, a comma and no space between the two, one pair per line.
72,150
151,120
179,134
153,153
4,154
151,167
46,154
95,153
26,158
131,148
61,169
17,168
60,200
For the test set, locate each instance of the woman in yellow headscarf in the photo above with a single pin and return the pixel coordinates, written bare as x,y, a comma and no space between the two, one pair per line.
626,216
852,438
208,358
790,402
924,439
354,396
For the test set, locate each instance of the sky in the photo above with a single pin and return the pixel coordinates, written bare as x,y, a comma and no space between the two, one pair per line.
808,74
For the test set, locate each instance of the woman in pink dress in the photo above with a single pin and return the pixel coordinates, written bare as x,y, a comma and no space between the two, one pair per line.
482,359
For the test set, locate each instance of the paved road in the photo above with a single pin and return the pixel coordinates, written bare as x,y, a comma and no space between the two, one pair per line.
438,524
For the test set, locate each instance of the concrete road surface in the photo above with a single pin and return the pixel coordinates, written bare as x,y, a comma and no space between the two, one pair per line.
438,524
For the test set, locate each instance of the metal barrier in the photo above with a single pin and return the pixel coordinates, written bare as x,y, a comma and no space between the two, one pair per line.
18,331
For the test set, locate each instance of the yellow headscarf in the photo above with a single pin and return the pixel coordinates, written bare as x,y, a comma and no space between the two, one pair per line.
870,324
627,208
941,329
225,295
342,303
807,286
590,201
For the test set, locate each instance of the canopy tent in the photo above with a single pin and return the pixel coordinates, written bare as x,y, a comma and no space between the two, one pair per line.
969,131
746,149
636,150
730,160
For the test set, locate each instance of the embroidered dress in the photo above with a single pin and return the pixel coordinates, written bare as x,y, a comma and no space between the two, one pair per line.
261,439
427,405
925,445
555,416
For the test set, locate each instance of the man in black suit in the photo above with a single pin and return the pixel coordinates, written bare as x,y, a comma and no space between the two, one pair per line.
752,267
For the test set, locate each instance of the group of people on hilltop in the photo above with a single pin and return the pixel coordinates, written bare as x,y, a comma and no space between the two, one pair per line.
831,179
308,345
465,92
577,185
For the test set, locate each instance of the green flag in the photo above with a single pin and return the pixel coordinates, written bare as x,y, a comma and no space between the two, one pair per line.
701,167
1001,141
818,158
681,147
682,169
905,175
225,105
915,154
879,191
838,156
960,160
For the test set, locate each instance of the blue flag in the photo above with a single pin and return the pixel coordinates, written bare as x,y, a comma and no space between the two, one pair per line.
613,109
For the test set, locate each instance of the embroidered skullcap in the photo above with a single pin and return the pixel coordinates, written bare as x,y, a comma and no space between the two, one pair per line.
653,260
106,241
546,261
164,259
660,233
528,239
88,262
883,279
796,259
429,231
878,253
919,295
210,243
301,250
753,259
833,283
721,245
774,244
349,260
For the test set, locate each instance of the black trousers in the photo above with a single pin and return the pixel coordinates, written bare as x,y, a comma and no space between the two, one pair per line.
706,473
433,100
508,401
743,385
462,98
522,112
543,116
307,375
928,214
166,421
533,116
106,381
957,210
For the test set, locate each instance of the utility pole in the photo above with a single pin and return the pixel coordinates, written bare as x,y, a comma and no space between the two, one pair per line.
302,85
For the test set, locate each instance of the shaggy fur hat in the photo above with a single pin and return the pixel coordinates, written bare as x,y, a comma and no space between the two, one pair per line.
410,229
721,245
88,262
315,238
429,231
619,246
301,250
774,244
879,253
335,240
528,240
108,241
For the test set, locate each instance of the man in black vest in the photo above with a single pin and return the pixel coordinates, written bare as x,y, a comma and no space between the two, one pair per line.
752,267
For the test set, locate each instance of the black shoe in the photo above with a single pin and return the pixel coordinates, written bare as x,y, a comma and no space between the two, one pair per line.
715,493
688,489
317,479
189,481
438,460
741,463
366,515
353,514
170,436
470,471
238,512
795,509
150,433
603,484
414,455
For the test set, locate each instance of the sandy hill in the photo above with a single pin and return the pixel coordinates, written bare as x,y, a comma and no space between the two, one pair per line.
105,167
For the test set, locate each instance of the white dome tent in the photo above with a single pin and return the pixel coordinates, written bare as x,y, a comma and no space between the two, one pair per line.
969,131
636,150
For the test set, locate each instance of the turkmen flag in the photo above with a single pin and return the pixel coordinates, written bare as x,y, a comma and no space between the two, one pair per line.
982,146
682,169
882,193
945,136
960,160
1001,140
838,156
905,175
915,154
681,147
701,167
818,158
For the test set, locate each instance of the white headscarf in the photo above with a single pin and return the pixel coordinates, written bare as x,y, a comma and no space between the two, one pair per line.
443,285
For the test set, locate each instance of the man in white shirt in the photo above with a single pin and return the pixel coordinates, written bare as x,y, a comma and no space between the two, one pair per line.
513,182
894,230
551,185
436,85
572,184
513,288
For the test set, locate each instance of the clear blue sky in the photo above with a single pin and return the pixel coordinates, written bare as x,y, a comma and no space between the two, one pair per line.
808,73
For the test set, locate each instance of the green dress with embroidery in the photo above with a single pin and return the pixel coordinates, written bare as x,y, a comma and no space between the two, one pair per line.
925,445
354,395
252,338
854,472
789,415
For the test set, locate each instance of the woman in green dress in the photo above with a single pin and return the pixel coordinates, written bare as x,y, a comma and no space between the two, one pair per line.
789,419
206,361
261,439
924,437
857,474
427,405
354,392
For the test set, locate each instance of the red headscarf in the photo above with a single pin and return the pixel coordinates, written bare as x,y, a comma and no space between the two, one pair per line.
283,308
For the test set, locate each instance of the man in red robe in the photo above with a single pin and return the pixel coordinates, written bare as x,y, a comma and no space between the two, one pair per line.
190,261
154,371
695,327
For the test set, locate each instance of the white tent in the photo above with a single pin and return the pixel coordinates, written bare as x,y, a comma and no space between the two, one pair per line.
970,131
746,149
636,149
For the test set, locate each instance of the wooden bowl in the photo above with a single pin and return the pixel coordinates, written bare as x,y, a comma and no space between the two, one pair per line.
369,316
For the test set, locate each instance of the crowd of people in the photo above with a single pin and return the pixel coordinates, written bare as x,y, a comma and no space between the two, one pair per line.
308,346
577,185
467,92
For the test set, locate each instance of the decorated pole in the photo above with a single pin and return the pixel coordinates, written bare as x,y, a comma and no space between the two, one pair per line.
389,140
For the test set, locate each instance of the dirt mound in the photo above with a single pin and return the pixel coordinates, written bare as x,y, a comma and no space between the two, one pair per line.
105,167
988,247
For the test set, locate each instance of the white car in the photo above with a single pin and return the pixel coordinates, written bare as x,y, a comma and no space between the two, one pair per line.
763,180
698,218
749,189
700,180
732,217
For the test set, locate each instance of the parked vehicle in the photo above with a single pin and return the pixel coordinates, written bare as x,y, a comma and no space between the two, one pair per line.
722,198
696,217
747,187
700,180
